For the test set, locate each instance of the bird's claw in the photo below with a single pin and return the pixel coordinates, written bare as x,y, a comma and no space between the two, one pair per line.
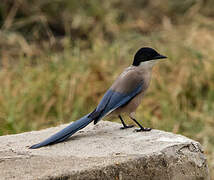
143,129
126,127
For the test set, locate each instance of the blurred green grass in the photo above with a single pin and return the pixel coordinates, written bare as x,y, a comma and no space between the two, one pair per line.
59,57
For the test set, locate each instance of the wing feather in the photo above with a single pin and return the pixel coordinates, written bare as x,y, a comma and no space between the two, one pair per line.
125,88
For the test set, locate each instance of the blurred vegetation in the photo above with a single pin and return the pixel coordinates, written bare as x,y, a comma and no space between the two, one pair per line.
58,57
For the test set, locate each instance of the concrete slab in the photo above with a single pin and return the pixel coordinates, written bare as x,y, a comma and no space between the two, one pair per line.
103,151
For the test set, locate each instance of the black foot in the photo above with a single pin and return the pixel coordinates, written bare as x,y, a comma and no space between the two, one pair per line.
143,129
126,127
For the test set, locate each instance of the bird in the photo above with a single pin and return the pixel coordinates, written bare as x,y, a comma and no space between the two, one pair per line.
122,98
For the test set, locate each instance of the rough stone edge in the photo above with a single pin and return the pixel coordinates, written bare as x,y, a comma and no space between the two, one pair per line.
141,167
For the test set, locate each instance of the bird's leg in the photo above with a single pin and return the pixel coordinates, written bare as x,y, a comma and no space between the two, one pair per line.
124,124
141,127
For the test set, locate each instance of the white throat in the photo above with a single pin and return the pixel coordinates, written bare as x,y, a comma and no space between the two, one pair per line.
148,64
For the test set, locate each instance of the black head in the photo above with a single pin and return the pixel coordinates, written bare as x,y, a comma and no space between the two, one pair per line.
146,54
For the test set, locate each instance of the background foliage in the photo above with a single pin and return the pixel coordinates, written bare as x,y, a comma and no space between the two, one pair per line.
58,57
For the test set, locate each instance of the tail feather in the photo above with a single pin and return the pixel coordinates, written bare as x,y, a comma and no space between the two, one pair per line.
65,133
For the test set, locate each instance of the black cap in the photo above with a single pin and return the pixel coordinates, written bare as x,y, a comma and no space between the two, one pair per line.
146,54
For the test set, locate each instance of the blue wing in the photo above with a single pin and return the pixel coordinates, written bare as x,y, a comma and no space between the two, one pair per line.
113,100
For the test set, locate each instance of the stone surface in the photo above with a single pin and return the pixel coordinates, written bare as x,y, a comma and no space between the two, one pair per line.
103,151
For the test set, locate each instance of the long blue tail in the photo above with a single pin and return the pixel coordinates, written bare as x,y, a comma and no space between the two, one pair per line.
66,132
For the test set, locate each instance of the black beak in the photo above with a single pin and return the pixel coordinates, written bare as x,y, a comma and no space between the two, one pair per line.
160,57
